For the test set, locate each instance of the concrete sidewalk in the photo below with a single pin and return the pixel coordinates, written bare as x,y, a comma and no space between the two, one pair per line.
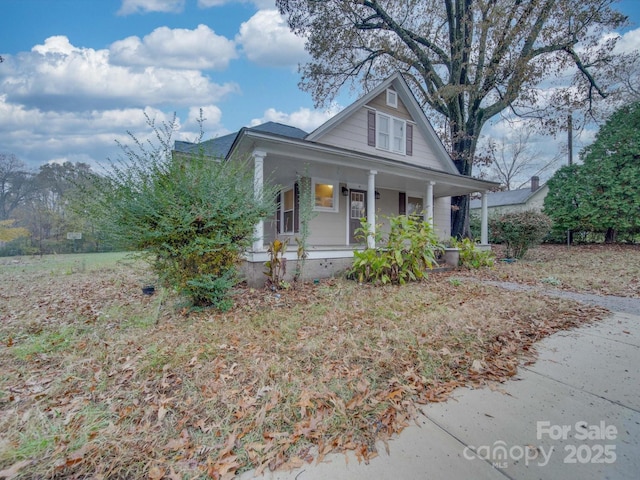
574,414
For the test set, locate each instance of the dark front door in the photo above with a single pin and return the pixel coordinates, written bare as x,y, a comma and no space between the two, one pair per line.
357,210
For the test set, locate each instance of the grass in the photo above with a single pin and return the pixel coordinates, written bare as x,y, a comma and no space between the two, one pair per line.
600,269
99,380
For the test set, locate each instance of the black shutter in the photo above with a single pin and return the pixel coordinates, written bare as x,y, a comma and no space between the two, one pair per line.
278,213
409,149
371,128
402,203
296,208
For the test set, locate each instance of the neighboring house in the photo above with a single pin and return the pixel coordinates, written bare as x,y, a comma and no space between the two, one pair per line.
380,156
531,198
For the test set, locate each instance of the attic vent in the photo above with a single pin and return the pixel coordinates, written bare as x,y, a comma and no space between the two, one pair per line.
392,98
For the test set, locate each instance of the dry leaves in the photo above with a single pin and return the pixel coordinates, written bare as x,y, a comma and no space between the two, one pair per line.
107,391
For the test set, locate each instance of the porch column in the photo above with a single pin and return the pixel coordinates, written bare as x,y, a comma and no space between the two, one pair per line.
429,203
484,225
258,179
371,208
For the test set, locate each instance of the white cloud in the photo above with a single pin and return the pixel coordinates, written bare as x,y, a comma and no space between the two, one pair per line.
267,40
38,136
629,42
304,118
60,76
175,48
144,6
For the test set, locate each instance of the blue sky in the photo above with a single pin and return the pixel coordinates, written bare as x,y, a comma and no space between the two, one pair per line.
78,74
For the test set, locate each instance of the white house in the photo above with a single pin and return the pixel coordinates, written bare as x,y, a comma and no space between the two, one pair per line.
380,156
531,198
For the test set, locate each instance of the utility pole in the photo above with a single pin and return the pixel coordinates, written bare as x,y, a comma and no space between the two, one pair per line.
570,160
570,137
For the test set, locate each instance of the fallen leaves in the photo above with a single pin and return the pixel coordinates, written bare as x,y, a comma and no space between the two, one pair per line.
335,367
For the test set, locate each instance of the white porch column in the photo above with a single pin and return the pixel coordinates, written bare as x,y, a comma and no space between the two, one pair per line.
484,225
258,179
428,207
371,208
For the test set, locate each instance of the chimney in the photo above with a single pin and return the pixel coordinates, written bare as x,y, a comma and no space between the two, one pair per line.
535,183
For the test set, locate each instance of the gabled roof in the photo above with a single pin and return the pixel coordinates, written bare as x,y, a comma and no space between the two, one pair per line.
221,147
409,100
503,199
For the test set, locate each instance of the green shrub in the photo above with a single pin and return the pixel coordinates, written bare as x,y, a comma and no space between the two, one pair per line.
471,256
519,231
409,251
194,216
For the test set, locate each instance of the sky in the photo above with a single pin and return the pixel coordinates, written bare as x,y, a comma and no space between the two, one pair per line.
79,74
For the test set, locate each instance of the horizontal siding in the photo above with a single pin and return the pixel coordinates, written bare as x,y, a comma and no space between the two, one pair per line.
442,217
351,134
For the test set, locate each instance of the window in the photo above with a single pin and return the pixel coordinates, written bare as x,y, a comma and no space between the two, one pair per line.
398,136
415,208
383,132
392,98
391,133
288,211
326,196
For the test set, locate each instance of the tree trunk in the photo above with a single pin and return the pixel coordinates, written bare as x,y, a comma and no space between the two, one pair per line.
611,235
464,143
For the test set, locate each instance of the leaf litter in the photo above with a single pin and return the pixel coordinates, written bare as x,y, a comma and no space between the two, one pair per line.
132,390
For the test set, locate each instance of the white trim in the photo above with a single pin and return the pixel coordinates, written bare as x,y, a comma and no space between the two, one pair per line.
394,123
336,199
320,253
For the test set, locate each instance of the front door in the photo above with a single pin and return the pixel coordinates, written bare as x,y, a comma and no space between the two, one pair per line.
357,210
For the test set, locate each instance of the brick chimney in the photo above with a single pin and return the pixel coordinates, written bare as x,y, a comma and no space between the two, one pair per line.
535,183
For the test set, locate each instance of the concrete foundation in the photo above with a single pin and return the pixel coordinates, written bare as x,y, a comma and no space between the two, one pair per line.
314,268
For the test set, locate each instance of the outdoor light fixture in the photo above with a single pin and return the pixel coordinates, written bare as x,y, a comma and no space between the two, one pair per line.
345,191
377,195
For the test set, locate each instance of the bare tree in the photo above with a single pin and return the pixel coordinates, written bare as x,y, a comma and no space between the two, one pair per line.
467,60
514,160
15,184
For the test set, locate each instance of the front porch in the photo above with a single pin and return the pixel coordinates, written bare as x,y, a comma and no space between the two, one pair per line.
345,191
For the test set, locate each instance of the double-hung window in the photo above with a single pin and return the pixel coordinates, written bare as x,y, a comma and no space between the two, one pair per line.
288,211
391,133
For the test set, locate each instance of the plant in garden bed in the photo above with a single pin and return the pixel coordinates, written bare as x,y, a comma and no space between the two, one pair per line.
410,249
276,266
471,256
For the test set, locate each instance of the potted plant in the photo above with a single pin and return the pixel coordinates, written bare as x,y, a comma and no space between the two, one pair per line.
451,253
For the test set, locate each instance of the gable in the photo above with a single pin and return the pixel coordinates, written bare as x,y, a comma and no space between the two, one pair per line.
410,138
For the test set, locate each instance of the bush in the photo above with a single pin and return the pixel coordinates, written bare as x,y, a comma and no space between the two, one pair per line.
519,231
470,256
193,216
406,255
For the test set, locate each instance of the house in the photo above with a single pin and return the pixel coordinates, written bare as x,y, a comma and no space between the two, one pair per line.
531,198
378,157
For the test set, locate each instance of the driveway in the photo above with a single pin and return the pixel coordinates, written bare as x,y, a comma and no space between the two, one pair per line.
574,414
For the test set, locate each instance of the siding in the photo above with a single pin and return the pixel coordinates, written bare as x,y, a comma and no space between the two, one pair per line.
442,217
352,135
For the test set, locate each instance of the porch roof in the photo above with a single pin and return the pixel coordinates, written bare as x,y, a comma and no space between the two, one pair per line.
391,173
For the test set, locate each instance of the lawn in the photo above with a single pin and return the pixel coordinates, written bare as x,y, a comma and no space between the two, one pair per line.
98,379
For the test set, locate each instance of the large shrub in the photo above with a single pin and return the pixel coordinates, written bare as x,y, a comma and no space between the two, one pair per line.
408,252
193,215
601,195
519,231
